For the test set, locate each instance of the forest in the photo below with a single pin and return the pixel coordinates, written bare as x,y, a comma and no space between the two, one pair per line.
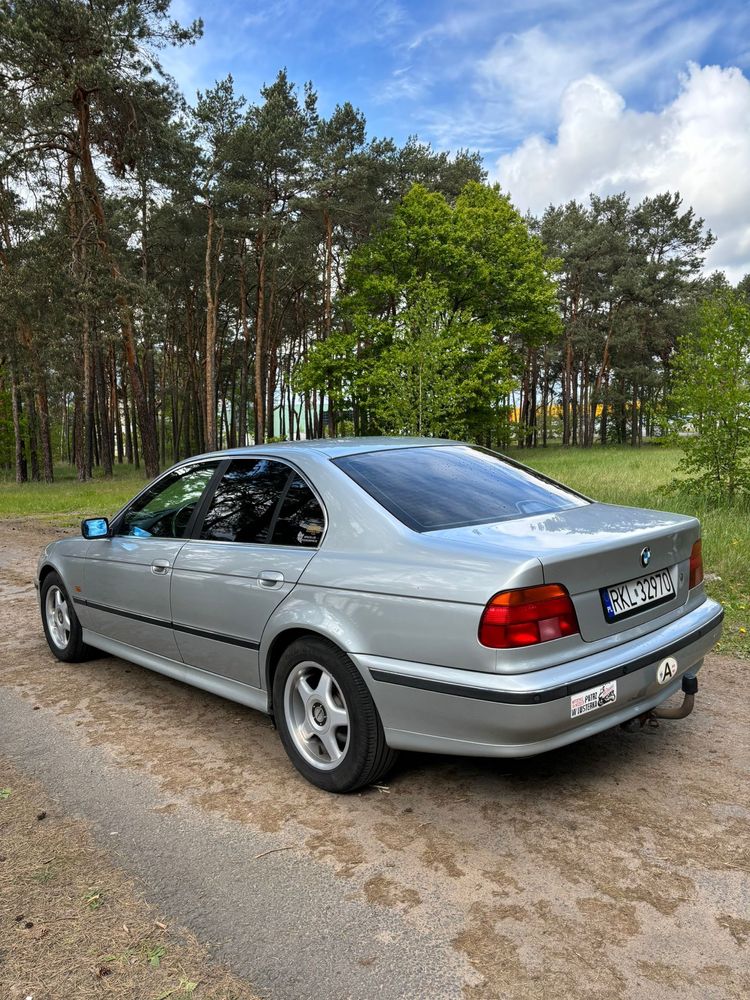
180,273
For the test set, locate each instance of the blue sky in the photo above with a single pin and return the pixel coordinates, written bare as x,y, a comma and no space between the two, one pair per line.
503,78
479,74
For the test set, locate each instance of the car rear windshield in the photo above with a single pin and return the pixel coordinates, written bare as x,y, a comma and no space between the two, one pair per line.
450,486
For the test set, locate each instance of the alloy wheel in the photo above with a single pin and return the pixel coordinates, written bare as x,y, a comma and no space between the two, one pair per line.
317,715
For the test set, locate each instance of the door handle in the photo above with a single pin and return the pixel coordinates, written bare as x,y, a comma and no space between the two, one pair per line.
270,579
160,567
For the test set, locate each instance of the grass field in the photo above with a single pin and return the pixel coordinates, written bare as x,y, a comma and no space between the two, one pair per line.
66,500
636,477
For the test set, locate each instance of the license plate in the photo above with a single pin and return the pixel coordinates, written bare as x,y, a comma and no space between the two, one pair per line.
589,701
631,597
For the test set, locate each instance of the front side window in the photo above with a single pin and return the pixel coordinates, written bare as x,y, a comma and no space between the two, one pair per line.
165,508
300,520
245,501
450,486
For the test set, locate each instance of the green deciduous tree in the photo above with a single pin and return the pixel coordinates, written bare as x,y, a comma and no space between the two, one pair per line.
435,300
711,389
441,372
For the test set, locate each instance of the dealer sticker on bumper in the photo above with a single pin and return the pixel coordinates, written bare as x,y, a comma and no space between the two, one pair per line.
589,701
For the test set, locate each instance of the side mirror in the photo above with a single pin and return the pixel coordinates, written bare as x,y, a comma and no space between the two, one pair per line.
95,527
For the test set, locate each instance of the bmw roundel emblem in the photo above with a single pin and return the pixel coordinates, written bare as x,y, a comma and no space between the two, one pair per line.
645,556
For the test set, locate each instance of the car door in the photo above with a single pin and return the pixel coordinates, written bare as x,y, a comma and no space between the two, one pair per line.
127,576
260,529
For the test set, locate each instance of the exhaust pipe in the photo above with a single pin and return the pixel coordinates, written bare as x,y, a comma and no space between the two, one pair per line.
651,718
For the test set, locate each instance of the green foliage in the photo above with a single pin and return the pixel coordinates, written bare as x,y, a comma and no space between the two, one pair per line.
711,389
187,273
6,429
435,299
437,372
54,52
154,954
627,277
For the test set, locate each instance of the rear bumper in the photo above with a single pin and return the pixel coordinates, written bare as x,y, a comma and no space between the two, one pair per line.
444,710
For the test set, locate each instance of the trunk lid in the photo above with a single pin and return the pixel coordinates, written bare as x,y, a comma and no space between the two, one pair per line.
594,546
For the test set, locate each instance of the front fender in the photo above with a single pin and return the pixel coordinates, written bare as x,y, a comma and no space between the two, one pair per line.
66,557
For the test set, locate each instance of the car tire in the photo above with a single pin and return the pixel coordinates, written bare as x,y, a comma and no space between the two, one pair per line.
327,720
60,622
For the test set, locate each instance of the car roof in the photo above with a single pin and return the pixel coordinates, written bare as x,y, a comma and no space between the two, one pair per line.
333,447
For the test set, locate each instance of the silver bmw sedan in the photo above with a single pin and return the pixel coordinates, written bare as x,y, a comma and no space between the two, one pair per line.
388,594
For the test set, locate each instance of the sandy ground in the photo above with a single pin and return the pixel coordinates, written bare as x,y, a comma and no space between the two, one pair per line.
618,867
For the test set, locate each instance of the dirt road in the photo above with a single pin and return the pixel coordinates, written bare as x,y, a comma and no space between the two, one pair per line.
619,867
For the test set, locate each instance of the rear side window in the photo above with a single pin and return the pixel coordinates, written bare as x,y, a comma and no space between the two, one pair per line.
454,485
300,520
245,501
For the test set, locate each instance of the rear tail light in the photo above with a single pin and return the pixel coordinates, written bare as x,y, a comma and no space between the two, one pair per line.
696,565
527,616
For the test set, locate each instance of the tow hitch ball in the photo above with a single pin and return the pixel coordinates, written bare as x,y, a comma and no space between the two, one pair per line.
651,718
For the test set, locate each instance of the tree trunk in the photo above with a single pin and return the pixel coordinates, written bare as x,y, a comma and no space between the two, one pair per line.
116,407
88,398
270,393
79,437
91,185
126,422
260,347
596,389
134,438
20,451
567,404
104,426
328,290
531,438
45,440
245,347
186,425
605,408
38,402
308,415
211,321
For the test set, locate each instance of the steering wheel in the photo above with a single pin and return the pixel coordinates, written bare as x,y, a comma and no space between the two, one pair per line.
179,520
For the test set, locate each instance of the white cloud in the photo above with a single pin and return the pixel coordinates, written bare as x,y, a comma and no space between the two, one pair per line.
530,70
489,75
404,84
699,145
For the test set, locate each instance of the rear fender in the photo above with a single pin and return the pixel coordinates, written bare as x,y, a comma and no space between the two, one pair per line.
402,628
305,610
